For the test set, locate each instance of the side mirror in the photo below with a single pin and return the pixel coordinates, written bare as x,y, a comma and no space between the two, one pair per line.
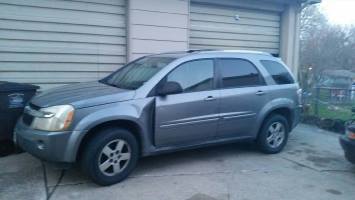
170,87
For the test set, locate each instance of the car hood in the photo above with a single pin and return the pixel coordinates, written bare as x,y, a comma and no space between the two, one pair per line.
82,95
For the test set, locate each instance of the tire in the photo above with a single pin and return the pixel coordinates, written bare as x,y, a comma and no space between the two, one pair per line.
271,143
115,150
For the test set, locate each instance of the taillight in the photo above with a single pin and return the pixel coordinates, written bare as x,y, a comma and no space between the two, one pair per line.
350,132
351,135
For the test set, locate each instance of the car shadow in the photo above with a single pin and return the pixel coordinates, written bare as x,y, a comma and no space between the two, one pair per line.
178,160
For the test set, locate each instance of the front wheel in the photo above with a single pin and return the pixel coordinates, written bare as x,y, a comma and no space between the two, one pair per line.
110,156
273,134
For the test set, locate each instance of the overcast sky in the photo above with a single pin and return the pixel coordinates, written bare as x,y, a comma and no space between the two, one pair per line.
339,11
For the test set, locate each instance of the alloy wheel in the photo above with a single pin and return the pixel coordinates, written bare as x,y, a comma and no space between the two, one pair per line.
276,134
114,157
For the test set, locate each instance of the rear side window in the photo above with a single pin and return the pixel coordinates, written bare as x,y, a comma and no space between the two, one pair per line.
238,73
278,72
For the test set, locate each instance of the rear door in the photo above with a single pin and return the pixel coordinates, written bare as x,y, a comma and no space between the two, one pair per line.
242,96
191,116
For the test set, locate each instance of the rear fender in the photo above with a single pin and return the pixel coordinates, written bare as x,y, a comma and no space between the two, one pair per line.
269,108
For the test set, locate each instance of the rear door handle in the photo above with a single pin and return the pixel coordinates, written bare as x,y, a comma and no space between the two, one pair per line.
259,93
210,98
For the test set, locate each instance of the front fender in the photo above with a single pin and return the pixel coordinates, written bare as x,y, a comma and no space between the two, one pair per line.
100,115
94,116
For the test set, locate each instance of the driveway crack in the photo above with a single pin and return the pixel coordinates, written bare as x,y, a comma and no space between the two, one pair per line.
338,170
45,179
50,193
300,164
318,170
183,174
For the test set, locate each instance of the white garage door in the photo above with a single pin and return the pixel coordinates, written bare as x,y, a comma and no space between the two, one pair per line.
56,42
222,27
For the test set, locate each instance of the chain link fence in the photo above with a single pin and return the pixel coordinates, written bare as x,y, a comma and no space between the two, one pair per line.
328,107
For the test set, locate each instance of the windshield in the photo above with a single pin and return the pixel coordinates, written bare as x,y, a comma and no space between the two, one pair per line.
136,73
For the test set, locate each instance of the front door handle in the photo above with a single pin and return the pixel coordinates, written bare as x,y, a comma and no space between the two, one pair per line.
210,98
259,93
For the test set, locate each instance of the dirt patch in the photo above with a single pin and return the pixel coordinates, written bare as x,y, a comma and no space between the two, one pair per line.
322,161
310,151
297,151
309,186
335,192
305,144
200,196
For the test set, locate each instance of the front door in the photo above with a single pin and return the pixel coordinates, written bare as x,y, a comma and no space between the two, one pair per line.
243,94
191,116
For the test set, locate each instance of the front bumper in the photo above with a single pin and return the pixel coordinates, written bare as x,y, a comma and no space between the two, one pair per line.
349,148
47,146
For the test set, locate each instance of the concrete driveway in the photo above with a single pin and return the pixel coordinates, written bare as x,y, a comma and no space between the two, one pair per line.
311,167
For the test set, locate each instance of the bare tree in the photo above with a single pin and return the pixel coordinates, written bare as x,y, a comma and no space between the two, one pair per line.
324,46
312,20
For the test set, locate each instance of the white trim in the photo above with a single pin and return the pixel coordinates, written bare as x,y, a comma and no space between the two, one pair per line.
289,45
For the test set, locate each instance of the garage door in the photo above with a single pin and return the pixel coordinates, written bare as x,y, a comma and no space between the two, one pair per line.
51,43
221,27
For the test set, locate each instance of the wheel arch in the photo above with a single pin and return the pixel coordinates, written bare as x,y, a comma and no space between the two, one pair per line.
127,124
284,111
282,106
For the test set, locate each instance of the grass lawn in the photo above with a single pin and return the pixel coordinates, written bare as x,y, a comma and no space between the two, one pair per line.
341,112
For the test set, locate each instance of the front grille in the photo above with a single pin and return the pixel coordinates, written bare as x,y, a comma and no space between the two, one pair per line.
33,106
27,119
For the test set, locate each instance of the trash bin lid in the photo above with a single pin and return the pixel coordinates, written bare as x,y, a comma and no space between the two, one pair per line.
11,86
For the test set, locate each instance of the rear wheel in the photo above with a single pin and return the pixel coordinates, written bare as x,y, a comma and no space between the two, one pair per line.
110,156
273,135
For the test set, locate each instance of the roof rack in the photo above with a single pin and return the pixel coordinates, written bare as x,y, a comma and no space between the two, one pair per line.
235,51
248,51
199,50
221,50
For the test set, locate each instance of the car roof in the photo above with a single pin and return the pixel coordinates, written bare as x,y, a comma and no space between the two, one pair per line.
179,54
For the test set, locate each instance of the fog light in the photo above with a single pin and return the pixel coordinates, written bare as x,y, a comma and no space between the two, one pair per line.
14,137
40,145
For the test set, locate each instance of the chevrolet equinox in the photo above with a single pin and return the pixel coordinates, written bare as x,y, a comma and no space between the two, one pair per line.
162,103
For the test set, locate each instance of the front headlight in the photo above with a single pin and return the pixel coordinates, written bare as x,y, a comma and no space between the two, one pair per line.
55,118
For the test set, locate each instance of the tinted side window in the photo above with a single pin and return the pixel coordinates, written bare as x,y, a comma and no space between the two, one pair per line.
194,76
278,72
238,73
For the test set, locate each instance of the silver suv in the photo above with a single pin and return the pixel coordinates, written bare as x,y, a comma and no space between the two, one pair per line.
162,103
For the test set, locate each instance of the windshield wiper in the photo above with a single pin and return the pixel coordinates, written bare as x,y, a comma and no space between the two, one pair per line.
116,85
107,83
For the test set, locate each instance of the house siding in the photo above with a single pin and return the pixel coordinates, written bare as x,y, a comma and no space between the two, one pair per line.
214,26
157,26
51,43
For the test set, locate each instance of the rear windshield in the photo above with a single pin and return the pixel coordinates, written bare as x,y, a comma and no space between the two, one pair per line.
278,72
136,73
